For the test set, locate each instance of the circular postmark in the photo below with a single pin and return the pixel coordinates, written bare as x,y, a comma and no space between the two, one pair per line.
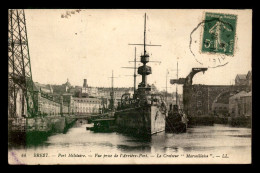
212,41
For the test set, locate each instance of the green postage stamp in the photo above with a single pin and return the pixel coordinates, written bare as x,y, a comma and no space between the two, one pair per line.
219,33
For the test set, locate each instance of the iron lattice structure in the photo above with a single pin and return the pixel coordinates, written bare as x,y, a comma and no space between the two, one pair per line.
19,65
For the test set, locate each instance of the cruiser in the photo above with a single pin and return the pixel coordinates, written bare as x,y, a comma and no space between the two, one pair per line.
145,112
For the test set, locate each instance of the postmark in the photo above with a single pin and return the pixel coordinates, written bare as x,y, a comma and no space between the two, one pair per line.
212,42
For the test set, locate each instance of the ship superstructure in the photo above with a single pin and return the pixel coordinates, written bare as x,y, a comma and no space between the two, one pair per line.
145,113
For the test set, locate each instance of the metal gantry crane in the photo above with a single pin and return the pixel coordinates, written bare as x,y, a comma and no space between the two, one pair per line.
187,83
19,65
188,80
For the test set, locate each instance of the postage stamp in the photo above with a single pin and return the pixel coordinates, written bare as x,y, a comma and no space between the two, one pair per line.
219,33
213,40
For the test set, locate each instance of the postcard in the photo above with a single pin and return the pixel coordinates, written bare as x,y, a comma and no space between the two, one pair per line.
129,86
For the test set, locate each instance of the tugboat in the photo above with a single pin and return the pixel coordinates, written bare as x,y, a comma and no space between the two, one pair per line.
177,121
145,113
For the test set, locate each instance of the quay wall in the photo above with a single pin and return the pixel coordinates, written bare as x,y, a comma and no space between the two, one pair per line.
211,120
46,124
55,124
200,120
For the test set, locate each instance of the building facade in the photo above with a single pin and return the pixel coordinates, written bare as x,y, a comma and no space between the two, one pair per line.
220,109
240,104
49,106
203,100
249,79
50,103
246,104
85,106
196,100
105,92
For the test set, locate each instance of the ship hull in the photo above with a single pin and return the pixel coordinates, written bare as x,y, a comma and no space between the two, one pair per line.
147,120
175,127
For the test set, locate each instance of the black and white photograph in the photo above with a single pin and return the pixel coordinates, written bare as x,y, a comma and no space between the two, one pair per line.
129,86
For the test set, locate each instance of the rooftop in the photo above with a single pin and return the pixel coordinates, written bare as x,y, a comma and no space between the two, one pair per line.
37,86
242,76
247,94
84,98
240,94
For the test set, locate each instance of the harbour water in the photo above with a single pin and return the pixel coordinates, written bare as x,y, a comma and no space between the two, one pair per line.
217,142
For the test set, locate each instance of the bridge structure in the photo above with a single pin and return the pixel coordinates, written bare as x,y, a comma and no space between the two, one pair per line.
199,99
24,99
28,109
85,116
20,83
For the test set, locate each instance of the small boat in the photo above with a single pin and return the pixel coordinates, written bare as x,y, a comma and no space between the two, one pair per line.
103,125
177,121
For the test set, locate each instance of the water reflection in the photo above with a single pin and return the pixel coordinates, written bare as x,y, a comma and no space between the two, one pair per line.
199,138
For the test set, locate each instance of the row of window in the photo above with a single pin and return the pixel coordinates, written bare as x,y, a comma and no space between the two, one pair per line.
85,107
220,108
199,93
87,110
50,104
87,101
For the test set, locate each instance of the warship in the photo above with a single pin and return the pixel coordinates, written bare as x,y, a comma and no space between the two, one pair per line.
145,112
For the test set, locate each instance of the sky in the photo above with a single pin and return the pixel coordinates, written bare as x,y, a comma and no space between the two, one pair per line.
89,44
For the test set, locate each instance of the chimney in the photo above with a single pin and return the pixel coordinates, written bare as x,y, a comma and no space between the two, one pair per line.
85,83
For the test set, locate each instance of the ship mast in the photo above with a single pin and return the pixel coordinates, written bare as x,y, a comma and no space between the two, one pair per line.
177,87
144,70
144,32
166,95
112,91
135,73
112,84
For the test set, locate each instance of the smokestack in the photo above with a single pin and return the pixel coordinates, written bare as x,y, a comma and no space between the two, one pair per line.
85,83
